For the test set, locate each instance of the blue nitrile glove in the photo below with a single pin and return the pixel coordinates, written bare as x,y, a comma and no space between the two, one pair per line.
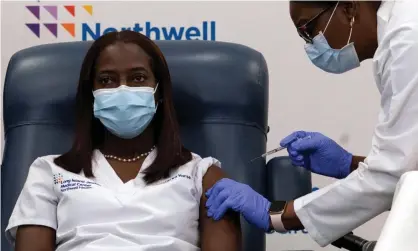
318,153
228,194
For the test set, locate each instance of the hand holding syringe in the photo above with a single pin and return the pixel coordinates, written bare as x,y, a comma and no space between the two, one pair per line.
278,149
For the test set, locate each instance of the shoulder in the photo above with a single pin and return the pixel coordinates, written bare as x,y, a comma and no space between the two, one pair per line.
198,160
404,10
208,170
205,171
44,165
47,158
397,54
202,165
403,21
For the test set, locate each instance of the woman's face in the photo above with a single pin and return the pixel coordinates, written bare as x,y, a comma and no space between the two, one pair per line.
123,64
316,15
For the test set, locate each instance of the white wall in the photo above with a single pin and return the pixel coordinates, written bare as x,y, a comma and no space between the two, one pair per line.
343,107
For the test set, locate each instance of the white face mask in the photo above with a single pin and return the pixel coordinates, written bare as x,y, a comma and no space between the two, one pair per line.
332,60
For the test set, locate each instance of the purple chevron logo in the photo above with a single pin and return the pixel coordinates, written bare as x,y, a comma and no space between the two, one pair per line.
35,11
53,10
53,28
35,28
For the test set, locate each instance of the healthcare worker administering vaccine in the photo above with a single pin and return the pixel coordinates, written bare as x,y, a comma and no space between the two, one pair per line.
339,35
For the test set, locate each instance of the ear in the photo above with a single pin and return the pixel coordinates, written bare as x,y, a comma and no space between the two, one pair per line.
350,9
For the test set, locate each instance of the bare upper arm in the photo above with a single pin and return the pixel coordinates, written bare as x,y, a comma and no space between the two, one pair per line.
222,235
35,238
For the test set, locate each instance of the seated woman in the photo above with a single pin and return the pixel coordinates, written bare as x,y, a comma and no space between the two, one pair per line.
127,183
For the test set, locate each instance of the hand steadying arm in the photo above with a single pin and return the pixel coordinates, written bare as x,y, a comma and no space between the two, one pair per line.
221,235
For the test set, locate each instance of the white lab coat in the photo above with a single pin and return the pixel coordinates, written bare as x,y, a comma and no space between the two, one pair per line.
401,227
337,209
103,213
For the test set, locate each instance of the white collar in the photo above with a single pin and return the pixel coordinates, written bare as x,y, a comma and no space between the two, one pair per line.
385,10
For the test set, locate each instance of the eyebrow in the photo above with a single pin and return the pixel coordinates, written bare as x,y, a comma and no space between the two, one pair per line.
111,70
139,68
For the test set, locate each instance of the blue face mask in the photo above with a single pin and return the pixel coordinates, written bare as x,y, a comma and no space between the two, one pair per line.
125,111
332,60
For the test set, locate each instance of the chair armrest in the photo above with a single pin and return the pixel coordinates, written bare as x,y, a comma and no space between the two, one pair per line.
285,181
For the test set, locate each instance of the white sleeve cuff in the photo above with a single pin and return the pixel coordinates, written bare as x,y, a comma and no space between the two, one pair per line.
313,232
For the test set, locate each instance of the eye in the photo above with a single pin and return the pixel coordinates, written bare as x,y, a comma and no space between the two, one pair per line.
105,80
138,78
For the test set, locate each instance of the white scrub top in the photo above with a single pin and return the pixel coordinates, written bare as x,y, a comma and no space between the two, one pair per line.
103,213
337,209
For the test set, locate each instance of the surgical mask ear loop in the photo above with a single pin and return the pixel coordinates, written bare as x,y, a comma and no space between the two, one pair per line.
351,29
332,14
156,87
160,100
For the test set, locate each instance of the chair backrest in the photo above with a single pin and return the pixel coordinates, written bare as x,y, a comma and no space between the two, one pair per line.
220,94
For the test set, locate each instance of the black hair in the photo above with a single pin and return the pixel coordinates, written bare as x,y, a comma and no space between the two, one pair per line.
89,131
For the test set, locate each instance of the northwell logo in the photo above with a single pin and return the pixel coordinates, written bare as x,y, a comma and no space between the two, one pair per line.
91,30
52,10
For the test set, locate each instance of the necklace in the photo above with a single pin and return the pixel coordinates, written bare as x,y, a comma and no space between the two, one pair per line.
108,156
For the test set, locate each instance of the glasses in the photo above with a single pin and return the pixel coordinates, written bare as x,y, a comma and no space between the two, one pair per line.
303,30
